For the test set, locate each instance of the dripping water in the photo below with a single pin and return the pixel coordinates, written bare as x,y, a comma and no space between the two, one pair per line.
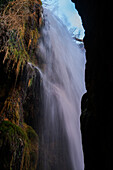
62,88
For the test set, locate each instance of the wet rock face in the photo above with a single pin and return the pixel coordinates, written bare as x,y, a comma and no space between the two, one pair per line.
31,102
19,85
96,119
19,110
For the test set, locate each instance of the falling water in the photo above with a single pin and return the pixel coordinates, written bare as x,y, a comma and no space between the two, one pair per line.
62,89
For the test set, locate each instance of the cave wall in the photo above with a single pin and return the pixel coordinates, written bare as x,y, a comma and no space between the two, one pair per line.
97,110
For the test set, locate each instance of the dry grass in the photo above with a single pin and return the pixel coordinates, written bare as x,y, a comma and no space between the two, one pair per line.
21,18
17,12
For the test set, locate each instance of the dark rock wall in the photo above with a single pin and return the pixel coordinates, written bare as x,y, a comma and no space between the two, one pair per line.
97,110
19,109
19,84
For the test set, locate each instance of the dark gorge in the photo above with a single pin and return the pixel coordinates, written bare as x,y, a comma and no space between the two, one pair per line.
97,103
21,83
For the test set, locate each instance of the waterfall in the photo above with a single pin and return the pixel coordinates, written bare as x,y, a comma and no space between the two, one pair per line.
62,88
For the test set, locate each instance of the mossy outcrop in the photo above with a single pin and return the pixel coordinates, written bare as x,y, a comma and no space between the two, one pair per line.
20,23
18,146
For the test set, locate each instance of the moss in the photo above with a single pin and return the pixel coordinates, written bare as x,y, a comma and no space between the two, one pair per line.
31,133
33,146
12,143
12,130
16,53
18,147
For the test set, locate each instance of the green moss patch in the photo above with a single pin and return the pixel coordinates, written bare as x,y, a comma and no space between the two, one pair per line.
33,146
18,147
12,144
12,130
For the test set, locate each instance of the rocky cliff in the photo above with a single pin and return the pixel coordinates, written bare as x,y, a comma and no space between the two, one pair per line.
97,110
20,23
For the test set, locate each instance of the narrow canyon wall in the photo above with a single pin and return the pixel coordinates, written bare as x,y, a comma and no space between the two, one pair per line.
20,23
97,104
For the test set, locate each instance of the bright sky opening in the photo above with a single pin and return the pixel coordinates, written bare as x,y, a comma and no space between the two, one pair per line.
66,11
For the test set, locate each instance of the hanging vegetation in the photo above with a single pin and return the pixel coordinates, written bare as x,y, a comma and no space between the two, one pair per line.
22,21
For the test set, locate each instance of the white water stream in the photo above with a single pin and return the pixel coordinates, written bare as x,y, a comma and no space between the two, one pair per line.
63,85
